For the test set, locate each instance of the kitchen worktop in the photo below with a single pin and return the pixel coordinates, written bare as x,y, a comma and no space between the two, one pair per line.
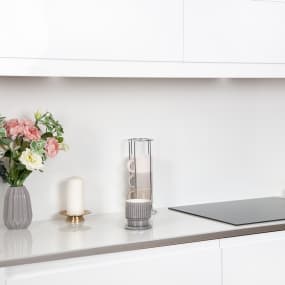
55,239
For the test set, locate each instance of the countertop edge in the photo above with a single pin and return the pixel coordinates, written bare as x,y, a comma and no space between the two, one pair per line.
145,244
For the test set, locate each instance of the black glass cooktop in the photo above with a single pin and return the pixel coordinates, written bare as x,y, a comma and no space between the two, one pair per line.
240,212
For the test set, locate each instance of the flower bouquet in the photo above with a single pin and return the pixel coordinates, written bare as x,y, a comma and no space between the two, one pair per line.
25,145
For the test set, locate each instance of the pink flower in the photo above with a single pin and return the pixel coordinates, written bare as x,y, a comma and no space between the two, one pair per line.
52,147
14,128
22,128
27,123
32,133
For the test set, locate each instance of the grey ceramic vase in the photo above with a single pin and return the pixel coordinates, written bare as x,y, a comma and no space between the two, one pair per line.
17,208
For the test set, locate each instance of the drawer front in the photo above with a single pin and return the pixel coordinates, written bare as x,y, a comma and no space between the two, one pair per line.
197,264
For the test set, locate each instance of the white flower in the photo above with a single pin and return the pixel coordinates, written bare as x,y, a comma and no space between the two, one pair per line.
31,160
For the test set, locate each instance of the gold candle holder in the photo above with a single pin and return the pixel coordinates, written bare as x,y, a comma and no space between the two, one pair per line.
75,219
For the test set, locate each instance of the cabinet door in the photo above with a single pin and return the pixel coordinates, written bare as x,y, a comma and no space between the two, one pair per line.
116,29
256,259
234,31
197,264
127,30
23,28
2,276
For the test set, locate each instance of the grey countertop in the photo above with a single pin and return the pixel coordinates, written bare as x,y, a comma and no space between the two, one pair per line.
55,239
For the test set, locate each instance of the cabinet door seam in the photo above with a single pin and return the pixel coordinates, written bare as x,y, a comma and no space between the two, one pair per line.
221,263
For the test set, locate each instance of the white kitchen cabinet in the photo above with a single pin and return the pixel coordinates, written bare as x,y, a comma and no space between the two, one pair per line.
256,259
143,38
95,30
23,29
197,263
2,276
234,31
253,259
148,30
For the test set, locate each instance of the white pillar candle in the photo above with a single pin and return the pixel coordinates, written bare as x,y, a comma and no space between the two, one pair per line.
74,196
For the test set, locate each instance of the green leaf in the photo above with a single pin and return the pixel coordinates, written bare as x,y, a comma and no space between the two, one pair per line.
51,125
8,154
5,141
2,121
3,132
47,135
60,139
3,172
38,146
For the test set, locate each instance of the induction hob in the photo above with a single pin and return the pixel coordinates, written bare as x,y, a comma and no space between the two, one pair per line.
240,212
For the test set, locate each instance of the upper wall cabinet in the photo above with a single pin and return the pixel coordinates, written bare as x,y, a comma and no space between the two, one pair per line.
23,29
234,31
124,30
142,38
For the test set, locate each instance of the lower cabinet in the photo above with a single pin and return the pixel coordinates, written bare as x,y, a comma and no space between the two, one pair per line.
195,263
249,260
254,260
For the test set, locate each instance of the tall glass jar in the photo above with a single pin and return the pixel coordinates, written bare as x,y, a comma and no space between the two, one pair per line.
139,198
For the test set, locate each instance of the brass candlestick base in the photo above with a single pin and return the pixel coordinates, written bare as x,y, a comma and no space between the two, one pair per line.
75,219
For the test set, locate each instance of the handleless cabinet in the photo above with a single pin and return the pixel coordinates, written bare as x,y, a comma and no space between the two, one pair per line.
143,38
23,29
257,259
93,30
197,263
234,31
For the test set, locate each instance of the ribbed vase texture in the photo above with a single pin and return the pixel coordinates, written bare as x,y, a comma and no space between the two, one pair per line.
138,211
17,208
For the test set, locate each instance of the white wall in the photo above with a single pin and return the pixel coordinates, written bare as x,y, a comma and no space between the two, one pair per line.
214,139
